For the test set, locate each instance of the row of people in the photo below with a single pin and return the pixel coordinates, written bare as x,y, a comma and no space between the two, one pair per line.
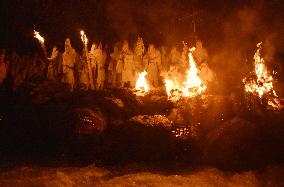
20,69
92,70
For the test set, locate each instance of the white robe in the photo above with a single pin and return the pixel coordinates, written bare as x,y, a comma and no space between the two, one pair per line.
128,70
153,65
68,63
100,69
84,75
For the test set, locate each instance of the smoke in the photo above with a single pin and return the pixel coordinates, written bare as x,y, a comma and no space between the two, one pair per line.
240,38
158,22
232,56
120,17
231,40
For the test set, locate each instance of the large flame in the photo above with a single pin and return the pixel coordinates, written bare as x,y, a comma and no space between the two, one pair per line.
39,37
193,84
84,38
141,84
191,87
263,82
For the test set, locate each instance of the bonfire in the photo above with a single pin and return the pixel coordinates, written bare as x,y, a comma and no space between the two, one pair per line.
191,87
262,83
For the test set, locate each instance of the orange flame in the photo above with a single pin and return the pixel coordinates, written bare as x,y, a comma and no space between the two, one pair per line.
191,87
173,89
263,83
141,84
193,84
39,37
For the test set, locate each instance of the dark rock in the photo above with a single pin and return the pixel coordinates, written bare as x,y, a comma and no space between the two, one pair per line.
176,115
232,144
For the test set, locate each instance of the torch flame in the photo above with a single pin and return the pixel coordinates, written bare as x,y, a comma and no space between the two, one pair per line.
85,42
84,38
141,84
39,37
191,87
263,83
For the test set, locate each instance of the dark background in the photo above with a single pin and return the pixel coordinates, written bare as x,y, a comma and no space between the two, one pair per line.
163,22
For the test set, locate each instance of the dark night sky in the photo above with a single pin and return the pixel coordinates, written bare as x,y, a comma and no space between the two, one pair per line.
160,21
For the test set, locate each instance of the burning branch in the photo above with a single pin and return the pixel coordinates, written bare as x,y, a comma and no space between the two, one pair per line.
85,42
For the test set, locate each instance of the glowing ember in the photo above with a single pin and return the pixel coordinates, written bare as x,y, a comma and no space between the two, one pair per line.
84,38
39,37
263,82
141,85
88,120
191,87
181,132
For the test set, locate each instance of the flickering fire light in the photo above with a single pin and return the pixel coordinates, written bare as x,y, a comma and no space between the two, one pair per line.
173,89
84,38
263,82
191,87
141,84
39,37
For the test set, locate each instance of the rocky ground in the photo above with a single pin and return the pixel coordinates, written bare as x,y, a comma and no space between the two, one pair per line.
135,175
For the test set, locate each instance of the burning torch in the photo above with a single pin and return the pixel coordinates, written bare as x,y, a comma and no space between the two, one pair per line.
85,42
41,40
